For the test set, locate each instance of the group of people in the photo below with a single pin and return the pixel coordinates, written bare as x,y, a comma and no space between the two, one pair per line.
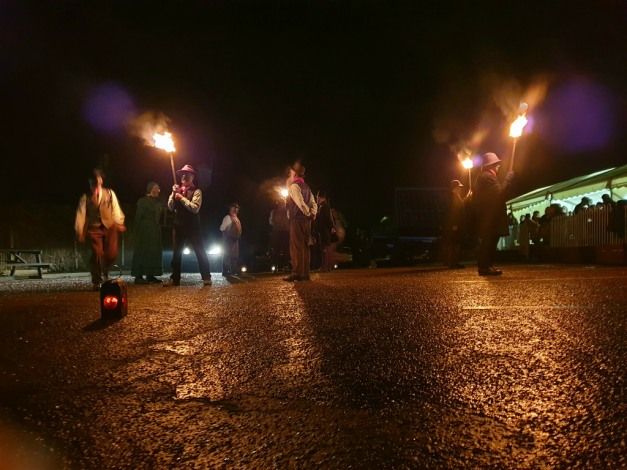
309,221
534,230
100,219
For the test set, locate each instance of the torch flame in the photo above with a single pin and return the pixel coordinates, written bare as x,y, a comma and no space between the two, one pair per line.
467,163
517,126
283,192
164,141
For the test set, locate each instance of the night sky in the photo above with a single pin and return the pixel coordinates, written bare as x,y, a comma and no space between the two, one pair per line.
370,95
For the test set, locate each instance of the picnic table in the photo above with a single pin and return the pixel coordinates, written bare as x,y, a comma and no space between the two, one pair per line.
17,260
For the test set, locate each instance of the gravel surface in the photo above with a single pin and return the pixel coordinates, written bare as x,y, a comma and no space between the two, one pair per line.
386,368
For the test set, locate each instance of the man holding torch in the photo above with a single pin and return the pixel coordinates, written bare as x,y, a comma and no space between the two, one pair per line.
185,202
489,200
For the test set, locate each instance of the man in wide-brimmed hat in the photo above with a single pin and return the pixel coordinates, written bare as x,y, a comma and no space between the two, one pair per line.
301,210
489,203
231,229
185,202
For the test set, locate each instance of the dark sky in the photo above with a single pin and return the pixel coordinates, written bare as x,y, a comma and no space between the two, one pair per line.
358,90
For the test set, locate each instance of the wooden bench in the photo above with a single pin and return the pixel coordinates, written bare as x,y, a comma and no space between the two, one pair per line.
17,260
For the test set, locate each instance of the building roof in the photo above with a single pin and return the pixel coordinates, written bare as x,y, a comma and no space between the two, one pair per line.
610,180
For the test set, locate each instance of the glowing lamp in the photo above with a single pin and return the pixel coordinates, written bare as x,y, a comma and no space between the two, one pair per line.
110,302
273,268
215,250
113,299
467,163
244,269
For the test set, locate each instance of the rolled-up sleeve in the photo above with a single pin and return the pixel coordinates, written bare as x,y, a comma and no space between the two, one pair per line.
118,215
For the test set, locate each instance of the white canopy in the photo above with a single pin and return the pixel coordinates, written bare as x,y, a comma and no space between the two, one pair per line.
612,181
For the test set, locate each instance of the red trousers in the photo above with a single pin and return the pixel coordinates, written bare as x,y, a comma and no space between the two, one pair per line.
104,250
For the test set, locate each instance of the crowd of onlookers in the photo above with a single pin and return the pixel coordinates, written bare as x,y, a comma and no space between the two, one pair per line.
535,229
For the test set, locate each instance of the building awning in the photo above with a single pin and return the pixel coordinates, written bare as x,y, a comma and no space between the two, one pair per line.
611,181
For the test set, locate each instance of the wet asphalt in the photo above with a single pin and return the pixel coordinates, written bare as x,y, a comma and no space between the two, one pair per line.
386,368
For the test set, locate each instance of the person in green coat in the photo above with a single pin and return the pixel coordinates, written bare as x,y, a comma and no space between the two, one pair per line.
147,231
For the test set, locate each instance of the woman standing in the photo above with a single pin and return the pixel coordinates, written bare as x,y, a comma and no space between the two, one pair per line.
147,230
231,229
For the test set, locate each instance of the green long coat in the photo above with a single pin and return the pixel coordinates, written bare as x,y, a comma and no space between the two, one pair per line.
147,232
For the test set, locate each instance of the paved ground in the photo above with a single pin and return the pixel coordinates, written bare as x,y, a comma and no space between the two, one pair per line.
397,368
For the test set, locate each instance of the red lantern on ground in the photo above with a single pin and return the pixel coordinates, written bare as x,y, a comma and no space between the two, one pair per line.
113,299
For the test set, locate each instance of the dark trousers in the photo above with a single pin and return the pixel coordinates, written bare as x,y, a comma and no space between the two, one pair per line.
180,235
452,247
487,250
280,247
231,255
300,232
104,250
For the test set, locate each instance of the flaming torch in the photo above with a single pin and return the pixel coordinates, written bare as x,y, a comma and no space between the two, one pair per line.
516,130
164,141
467,163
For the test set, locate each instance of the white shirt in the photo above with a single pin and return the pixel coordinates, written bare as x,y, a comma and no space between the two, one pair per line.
226,223
109,215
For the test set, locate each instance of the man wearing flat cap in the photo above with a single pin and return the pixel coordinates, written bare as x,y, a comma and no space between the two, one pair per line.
301,211
185,202
490,196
